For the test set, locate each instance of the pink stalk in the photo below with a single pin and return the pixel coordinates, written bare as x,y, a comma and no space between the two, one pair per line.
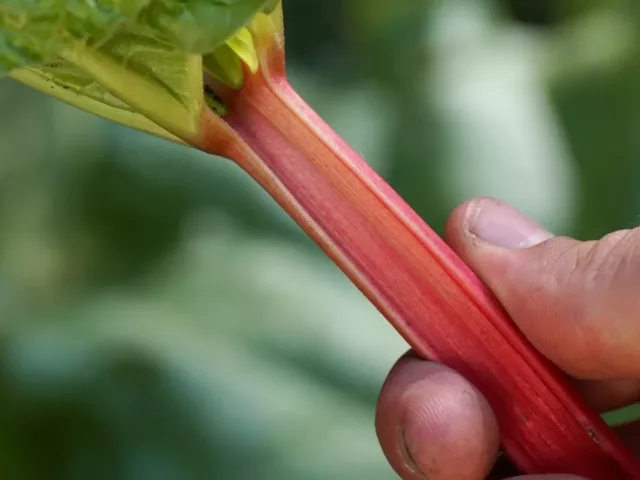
429,295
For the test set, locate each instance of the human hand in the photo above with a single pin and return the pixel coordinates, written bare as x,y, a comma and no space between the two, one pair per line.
577,302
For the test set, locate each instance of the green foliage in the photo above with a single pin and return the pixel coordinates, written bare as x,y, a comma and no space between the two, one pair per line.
122,58
36,32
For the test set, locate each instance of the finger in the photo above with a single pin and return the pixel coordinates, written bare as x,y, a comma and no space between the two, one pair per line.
577,302
433,424
607,395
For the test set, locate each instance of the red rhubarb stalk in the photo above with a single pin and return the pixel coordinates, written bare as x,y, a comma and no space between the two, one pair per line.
429,295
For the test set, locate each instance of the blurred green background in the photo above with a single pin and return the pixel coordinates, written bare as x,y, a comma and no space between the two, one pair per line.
163,320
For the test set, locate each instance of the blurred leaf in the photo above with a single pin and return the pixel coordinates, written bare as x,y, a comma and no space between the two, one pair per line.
143,372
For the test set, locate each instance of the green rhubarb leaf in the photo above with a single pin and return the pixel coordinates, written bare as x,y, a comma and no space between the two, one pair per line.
271,6
225,65
78,90
138,62
226,62
243,46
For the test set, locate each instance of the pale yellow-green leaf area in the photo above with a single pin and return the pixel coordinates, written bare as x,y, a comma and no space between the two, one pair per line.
129,59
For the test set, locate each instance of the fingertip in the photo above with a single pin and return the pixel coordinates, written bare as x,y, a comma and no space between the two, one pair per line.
433,423
456,232
486,221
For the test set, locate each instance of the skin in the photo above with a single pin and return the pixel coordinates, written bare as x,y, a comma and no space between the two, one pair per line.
577,302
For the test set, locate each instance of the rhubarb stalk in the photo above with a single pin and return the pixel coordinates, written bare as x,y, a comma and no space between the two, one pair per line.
407,271
251,115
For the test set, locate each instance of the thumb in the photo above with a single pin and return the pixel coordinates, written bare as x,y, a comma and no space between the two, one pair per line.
577,302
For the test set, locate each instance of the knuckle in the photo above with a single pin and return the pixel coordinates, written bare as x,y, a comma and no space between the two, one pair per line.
613,261
587,295
602,294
